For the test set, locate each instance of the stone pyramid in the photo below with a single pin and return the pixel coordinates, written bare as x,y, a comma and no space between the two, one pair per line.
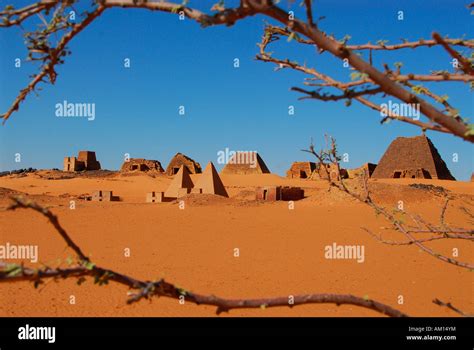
412,157
181,184
210,182
239,164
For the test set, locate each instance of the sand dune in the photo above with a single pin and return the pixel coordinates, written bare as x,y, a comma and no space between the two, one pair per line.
281,250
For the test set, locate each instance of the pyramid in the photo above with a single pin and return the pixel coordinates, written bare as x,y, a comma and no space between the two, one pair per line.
412,157
181,159
301,170
241,164
181,183
210,182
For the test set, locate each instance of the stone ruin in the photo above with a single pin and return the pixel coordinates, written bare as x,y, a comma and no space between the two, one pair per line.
321,174
241,164
279,193
180,159
412,157
155,197
85,161
140,164
104,196
301,170
367,168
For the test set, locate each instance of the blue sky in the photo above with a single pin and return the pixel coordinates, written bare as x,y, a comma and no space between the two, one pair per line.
177,63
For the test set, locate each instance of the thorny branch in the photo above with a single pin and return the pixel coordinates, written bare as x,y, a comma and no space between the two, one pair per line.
438,120
329,156
320,80
269,37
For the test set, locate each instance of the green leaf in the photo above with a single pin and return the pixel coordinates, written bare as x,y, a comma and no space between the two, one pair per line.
453,112
89,265
470,131
13,270
419,89
355,75
345,39
69,261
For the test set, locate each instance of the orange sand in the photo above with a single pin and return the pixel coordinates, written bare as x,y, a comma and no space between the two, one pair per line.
281,250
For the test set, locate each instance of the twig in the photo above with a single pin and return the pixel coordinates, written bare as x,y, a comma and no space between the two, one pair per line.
451,307
466,66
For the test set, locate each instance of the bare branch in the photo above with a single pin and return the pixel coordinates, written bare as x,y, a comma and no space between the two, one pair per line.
309,12
346,95
466,66
247,8
469,43
11,17
21,203
451,307
48,69
396,223
266,57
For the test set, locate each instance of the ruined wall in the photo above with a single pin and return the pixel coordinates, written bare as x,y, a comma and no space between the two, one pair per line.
321,174
140,164
291,193
268,193
412,173
72,164
85,161
279,193
90,162
369,168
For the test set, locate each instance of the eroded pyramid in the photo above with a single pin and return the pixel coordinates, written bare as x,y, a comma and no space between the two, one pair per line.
412,157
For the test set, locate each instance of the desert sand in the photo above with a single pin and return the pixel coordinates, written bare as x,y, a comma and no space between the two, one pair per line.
281,250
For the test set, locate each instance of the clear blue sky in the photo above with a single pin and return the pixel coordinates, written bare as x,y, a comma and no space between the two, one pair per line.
177,63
